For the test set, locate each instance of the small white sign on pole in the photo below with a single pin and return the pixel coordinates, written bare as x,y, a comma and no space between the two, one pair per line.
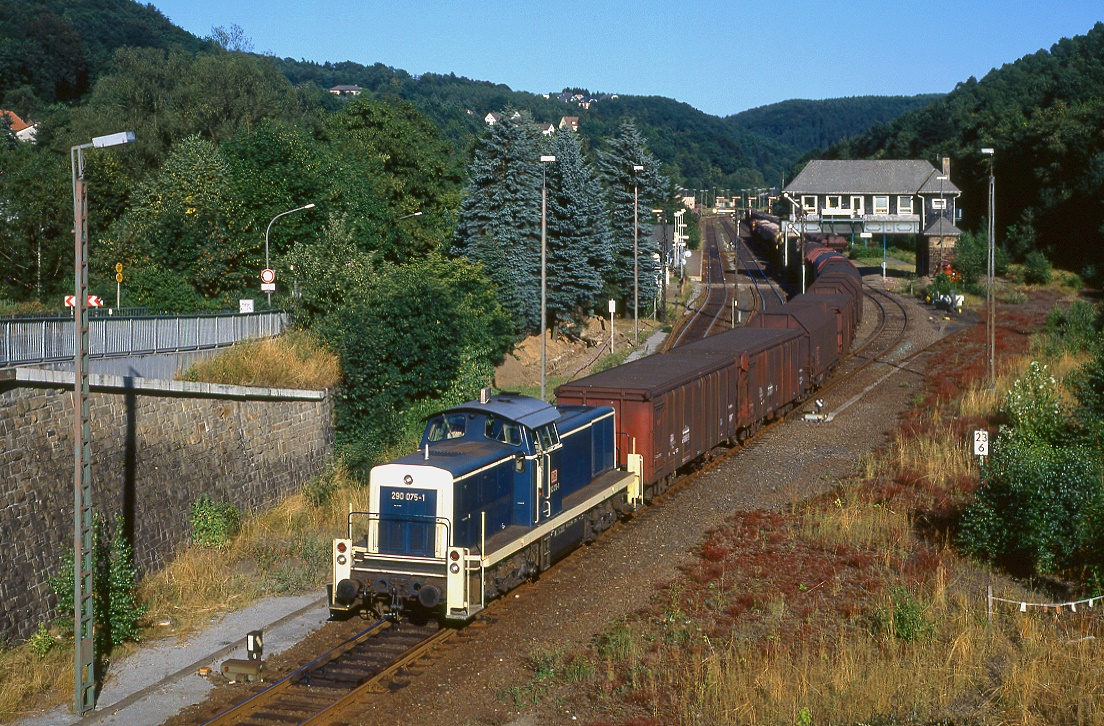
981,443
245,306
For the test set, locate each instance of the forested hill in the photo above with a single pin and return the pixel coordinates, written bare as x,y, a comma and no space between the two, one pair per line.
53,50
700,150
1043,116
754,148
806,125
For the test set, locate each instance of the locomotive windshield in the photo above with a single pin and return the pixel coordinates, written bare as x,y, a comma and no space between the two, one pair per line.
448,426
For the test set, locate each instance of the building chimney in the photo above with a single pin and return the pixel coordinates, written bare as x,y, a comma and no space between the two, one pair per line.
947,166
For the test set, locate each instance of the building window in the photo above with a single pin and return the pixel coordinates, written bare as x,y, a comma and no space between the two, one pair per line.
881,205
939,204
857,205
834,202
904,205
809,202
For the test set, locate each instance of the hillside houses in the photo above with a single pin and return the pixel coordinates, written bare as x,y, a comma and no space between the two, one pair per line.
546,128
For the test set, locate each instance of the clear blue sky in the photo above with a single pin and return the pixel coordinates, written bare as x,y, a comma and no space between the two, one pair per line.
720,56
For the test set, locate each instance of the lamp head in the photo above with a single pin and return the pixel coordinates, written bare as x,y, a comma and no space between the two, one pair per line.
123,137
987,151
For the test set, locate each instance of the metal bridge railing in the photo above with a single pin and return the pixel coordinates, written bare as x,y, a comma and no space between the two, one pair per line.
43,340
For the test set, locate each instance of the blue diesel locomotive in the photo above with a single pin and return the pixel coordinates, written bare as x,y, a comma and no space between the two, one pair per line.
500,489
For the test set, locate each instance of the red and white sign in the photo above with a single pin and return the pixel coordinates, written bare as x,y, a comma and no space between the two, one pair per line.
93,301
268,275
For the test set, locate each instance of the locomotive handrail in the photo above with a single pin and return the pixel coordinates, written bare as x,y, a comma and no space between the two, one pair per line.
372,544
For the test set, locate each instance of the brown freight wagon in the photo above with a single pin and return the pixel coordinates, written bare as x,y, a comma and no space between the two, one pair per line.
840,305
676,407
818,323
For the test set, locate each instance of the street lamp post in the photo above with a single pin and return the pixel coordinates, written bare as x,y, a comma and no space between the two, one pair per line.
269,228
545,158
637,168
661,219
84,692
991,314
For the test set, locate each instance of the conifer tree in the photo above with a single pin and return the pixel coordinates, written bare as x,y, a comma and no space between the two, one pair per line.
616,162
499,223
578,235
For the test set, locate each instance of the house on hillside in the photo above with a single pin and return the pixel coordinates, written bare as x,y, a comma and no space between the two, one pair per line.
546,129
880,197
345,91
569,122
23,130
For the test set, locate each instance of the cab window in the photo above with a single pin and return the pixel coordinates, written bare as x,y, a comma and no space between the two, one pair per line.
547,436
450,426
505,431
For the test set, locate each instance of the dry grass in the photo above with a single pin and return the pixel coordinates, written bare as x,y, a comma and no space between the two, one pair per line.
293,360
283,550
25,677
853,520
1020,670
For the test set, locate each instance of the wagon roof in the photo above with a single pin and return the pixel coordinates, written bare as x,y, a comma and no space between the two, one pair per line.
655,374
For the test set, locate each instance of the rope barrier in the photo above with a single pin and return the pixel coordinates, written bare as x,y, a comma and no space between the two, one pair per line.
1057,607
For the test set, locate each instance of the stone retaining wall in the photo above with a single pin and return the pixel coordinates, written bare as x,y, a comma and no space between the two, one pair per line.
157,446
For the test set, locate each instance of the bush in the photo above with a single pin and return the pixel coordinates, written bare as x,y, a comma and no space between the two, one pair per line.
41,642
1036,268
1073,329
116,608
214,524
1039,506
1032,405
904,620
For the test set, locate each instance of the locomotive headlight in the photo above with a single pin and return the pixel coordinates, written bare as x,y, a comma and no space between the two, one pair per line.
408,480
341,547
454,555
341,559
454,568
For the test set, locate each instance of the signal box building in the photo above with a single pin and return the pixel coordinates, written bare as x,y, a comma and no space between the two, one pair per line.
880,197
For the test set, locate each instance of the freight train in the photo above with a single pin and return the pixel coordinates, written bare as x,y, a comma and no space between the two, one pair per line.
504,486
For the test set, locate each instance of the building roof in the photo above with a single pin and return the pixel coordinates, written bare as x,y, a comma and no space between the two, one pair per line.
17,124
942,227
864,176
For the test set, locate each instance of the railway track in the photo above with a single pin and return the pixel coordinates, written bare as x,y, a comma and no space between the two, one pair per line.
893,320
316,692
754,270
712,315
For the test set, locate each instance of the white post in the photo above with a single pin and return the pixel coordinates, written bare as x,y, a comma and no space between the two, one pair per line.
612,310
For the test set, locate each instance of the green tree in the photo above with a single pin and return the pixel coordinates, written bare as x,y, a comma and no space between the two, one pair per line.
578,234
623,186
394,164
184,220
406,341
1040,506
36,242
499,224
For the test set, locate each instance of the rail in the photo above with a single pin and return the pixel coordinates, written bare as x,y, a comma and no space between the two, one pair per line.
26,341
